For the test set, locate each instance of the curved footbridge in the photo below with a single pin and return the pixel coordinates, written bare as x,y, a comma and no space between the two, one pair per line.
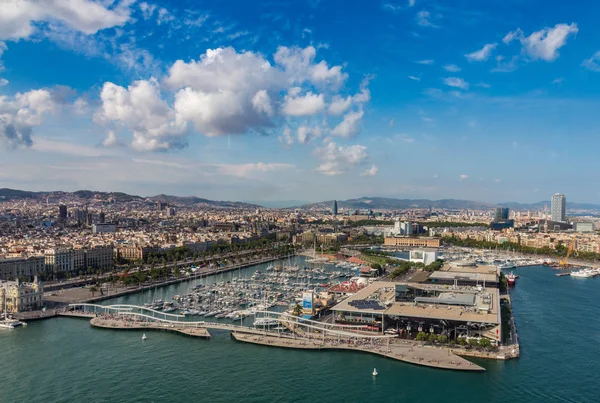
298,333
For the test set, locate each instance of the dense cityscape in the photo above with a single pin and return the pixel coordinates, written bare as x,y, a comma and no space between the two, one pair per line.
311,200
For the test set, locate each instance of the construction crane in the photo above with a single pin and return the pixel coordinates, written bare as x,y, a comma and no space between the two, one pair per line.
564,263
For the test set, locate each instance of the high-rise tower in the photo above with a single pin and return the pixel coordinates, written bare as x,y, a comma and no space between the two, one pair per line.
558,208
335,207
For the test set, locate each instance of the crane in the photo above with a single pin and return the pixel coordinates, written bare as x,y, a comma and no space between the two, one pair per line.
563,263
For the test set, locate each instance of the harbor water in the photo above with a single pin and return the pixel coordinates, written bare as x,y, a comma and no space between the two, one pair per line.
66,360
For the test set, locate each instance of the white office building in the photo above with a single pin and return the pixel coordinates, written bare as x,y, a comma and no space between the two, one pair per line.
559,208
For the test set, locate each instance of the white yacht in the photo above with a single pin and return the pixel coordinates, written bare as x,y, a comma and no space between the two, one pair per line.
584,273
10,324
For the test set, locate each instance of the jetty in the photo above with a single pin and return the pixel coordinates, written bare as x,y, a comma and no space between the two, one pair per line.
297,333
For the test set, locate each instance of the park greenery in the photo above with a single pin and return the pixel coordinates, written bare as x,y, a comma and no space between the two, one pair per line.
405,266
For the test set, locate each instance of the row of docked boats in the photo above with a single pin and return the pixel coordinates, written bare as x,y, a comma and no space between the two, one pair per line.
585,273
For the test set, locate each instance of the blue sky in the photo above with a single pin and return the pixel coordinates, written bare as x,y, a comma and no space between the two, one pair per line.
307,100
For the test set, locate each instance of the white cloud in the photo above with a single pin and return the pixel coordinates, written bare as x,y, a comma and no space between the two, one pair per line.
482,54
463,177
336,160
147,9
505,66
543,44
391,123
110,140
414,78
411,3
297,105
456,82
484,85
48,145
21,113
261,102
139,108
371,171
307,133
426,61
226,92
339,105
453,68
350,125
17,18
3,82
391,7
593,63
286,139
247,170
558,80
424,19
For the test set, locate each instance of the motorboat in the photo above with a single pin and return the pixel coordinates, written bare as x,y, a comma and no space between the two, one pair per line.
265,322
144,336
374,371
10,324
584,273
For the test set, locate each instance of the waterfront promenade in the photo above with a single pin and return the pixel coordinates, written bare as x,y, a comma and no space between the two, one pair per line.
411,353
122,324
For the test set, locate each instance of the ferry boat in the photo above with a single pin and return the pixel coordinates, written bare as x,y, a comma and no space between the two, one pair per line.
584,273
511,279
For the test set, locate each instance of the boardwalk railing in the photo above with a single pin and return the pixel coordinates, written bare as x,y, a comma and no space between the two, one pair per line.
290,321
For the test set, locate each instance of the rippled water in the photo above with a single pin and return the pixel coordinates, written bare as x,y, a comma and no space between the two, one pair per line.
65,360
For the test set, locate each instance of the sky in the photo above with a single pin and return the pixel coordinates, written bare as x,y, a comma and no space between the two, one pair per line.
306,100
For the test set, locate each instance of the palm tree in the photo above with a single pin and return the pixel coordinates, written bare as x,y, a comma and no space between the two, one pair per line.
297,310
93,290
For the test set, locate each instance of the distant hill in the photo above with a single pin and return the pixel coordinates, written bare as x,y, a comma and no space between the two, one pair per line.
384,203
13,194
188,200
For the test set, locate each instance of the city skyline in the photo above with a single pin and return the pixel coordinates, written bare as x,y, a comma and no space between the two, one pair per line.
474,100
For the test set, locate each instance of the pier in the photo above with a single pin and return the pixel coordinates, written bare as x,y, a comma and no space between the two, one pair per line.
299,334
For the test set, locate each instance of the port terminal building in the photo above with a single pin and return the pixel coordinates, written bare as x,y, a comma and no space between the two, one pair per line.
452,303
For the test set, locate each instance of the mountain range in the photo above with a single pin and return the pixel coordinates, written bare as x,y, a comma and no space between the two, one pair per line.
381,203
373,203
13,194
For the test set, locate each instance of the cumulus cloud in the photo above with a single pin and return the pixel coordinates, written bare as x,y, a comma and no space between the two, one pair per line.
246,170
307,133
302,105
463,177
350,125
482,54
226,92
593,63
286,138
339,105
21,113
18,18
456,82
426,61
543,44
372,171
110,140
140,109
338,159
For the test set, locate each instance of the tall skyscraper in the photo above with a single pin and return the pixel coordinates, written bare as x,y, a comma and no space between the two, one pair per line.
559,207
102,218
62,212
335,207
500,214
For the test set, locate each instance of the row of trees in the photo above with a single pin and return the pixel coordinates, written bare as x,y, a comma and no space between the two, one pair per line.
451,224
406,266
462,341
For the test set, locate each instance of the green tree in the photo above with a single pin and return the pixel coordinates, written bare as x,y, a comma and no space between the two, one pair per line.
297,310
432,338
93,290
421,336
462,341
485,343
442,339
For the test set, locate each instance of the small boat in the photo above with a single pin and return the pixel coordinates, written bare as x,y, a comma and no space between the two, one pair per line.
374,371
144,336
